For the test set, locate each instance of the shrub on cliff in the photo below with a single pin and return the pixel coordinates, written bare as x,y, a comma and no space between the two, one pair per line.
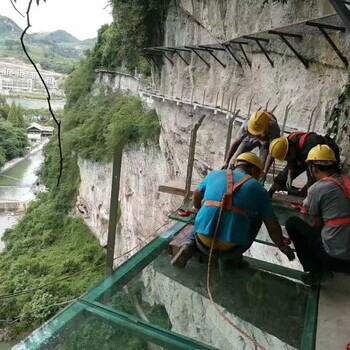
96,124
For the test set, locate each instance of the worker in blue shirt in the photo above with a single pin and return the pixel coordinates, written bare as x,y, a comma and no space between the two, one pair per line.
245,205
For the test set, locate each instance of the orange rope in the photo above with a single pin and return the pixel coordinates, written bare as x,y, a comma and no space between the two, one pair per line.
208,282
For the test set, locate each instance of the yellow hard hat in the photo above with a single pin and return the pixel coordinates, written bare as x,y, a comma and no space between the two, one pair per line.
258,123
321,153
250,158
279,148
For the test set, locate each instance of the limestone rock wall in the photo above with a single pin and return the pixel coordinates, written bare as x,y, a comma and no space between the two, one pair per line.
203,22
143,209
197,22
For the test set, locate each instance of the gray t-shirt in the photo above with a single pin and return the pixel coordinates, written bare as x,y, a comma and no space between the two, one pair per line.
326,199
273,132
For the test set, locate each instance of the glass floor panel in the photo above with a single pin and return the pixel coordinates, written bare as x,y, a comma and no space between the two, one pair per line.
148,304
91,332
264,305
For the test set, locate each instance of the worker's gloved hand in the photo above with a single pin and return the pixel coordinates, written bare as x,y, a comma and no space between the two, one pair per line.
263,179
289,182
224,166
286,249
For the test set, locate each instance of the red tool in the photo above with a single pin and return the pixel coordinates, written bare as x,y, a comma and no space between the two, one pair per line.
347,346
186,212
287,240
300,208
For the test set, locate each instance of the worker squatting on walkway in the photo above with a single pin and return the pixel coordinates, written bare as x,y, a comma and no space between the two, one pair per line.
258,131
294,149
246,205
323,246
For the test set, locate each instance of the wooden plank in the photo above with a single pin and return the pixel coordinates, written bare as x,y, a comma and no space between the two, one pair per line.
287,198
175,244
176,188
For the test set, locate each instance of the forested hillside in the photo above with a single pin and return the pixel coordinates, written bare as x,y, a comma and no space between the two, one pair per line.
51,253
13,136
58,51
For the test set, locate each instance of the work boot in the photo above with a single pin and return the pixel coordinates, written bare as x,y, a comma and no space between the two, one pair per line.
182,256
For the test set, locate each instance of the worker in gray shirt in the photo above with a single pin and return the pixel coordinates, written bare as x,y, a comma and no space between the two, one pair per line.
257,131
325,246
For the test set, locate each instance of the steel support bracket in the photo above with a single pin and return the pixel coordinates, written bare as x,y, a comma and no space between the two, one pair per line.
228,49
200,56
282,36
342,11
229,132
181,57
263,50
322,29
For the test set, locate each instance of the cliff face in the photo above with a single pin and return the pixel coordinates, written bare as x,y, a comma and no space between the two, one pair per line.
203,22
143,208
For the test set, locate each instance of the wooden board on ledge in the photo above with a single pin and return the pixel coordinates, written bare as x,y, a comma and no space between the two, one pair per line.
287,198
176,188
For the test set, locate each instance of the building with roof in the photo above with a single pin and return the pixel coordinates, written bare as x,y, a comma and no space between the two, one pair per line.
37,133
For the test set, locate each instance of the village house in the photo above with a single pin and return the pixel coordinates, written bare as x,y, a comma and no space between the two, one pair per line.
38,133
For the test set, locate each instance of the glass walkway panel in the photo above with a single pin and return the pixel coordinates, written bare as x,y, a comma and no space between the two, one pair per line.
148,304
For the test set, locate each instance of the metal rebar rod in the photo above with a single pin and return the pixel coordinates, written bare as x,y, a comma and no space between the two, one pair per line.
192,150
222,99
114,201
285,118
204,92
229,133
250,106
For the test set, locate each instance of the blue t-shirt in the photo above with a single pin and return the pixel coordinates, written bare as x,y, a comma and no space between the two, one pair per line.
251,197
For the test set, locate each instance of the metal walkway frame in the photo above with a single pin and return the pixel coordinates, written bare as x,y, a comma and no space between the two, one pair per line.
291,35
90,302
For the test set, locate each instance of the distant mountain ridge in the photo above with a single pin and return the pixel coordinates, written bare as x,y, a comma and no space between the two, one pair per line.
58,51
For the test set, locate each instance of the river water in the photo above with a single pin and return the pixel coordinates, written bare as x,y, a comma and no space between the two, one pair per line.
35,103
16,184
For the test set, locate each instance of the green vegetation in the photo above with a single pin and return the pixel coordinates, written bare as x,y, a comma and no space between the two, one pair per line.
334,114
137,24
48,245
58,51
45,246
93,331
13,137
101,120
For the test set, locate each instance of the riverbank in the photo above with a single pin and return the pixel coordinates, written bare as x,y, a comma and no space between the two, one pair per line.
11,163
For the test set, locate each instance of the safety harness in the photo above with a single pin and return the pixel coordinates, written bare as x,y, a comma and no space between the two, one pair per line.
224,204
302,139
226,201
345,186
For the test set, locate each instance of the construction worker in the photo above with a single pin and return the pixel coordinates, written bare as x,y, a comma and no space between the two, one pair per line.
323,246
294,149
258,131
245,205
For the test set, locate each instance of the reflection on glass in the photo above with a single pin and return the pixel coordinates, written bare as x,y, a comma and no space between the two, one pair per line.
91,332
268,307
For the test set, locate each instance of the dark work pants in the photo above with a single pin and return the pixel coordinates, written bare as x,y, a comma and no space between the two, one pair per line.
281,179
308,245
